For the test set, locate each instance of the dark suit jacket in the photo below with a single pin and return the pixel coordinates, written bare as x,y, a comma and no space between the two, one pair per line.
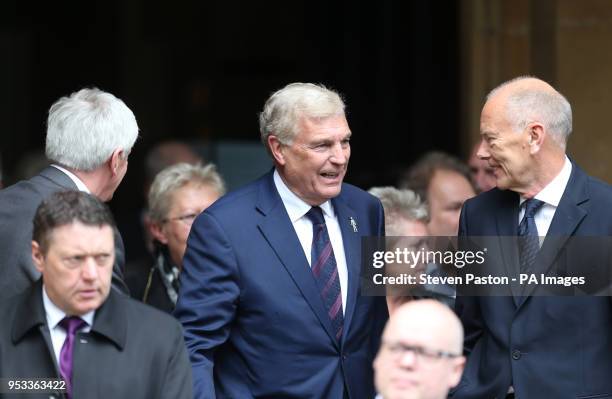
254,320
143,278
545,346
132,351
18,204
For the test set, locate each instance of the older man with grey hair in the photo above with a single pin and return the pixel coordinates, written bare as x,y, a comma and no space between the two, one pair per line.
406,218
405,213
270,297
524,344
89,137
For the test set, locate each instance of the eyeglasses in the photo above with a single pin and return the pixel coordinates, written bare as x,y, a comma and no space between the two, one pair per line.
398,350
187,218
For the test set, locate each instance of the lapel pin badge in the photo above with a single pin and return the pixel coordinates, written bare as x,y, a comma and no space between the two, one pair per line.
353,224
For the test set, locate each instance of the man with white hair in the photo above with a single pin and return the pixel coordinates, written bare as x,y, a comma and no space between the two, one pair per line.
524,343
89,137
420,355
269,295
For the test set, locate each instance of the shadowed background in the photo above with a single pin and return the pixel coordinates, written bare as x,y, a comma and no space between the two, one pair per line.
413,74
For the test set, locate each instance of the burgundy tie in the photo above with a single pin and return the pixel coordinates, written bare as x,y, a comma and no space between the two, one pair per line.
71,324
323,265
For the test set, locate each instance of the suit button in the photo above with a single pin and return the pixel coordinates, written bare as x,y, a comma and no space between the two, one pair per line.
516,354
343,357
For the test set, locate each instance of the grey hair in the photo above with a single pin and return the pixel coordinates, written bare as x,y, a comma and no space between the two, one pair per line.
175,177
283,110
548,107
400,204
85,128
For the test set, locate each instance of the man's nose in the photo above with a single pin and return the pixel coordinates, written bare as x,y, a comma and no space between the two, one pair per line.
483,150
90,269
339,154
408,359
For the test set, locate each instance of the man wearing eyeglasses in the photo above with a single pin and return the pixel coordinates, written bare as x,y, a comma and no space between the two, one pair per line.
420,356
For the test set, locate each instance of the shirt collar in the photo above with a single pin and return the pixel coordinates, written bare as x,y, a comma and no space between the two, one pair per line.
55,314
79,183
295,206
552,193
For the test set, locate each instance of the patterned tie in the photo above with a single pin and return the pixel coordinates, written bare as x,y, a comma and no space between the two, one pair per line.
71,324
323,265
529,243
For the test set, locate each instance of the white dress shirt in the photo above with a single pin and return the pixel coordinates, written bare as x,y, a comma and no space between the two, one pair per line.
551,196
54,316
297,209
79,183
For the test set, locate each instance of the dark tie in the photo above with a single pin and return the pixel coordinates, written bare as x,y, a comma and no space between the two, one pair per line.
71,324
324,270
529,243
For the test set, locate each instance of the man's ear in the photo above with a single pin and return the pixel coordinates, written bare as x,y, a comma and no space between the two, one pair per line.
276,149
37,256
536,134
157,232
455,373
115,160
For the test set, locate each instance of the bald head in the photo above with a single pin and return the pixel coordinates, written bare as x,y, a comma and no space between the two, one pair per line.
527,99
420,357
429,318
524,126
521,83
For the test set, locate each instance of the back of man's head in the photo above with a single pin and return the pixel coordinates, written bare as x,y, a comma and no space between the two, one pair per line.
420,356
85,128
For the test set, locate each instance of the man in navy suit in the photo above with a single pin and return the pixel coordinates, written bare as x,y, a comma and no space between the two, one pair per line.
270,298
524,344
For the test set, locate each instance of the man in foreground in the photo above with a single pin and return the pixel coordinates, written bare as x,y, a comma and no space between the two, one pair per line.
269,294
71,325
523,344
420,356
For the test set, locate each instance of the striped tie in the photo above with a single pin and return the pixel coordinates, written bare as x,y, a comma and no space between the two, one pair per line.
324,270
529,243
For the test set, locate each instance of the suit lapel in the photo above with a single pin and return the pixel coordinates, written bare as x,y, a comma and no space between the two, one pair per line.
507,224
110,325
568,215
351,240
111,321
30,315
280,234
